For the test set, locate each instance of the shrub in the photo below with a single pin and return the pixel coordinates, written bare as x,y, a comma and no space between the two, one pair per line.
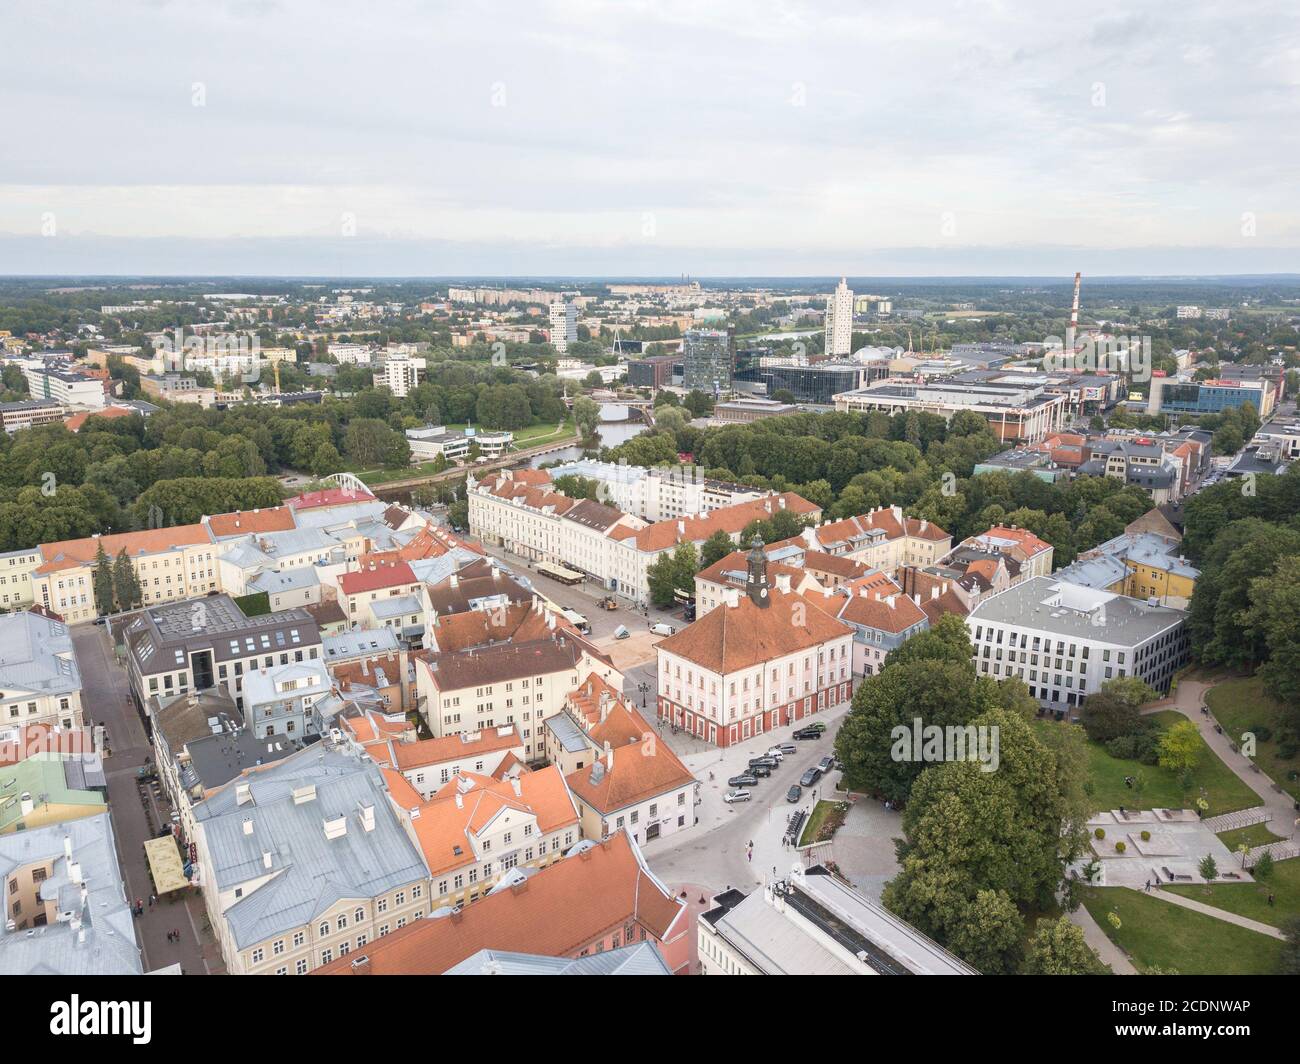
1100,833
1262,732
1263,868
1146,836
1120,847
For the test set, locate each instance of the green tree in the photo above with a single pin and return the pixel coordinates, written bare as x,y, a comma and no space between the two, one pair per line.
715,548
103,582
126,583
1208,868
586,416
1274,620
875,743
1058,948
1180,747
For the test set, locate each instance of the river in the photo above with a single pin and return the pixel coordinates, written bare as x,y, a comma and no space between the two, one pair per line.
616,425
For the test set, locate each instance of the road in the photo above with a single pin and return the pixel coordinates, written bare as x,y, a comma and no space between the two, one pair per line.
104,694
716,852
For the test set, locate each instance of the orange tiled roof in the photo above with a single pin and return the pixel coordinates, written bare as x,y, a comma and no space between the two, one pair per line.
70,553
892,613
427,752
444,825
638,767
251,522
74,423
518,622
558,912
663,535
737,637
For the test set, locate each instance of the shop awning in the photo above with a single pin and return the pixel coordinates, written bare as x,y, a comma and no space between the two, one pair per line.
165,864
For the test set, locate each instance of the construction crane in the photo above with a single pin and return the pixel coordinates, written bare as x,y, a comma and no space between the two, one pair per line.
1072,333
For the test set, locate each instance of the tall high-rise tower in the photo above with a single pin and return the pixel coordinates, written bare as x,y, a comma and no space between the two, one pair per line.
839,321
564,324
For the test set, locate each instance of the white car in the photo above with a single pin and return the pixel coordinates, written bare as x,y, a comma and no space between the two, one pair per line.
736,796
662,629
777,753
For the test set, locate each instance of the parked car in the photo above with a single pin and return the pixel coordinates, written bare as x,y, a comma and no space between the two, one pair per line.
743,780
817,727
736,796
794,793
777,753
807,733
787,748
761,771
769,762
826,764
660,628
810,777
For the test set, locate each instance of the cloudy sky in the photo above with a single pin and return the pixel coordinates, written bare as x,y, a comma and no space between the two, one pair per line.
649,138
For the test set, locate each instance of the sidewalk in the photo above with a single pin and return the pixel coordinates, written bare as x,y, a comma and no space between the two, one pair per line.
1221,914
1188,701
1110,953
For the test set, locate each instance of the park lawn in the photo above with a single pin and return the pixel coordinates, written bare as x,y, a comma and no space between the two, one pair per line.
1157,934
1252,836
1251,899
1240,705
1224,791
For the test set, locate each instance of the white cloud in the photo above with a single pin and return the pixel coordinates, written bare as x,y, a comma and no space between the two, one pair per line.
779,130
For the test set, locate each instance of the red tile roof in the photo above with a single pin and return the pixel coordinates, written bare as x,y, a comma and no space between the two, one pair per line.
314,500
376,577
557,912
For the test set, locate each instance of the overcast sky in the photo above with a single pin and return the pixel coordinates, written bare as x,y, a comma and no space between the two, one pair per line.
572,137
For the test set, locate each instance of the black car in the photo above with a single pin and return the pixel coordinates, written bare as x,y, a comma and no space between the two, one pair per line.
761,771
769,762
744,780
810,777
794,793
807,733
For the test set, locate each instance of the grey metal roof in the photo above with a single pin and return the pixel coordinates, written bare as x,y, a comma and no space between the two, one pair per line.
218,759
104,943
1060,608
567,733
360,643
161,637
295,579
36,656
309,872
640,959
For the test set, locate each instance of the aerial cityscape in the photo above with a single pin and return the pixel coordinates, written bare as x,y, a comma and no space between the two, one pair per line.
638,563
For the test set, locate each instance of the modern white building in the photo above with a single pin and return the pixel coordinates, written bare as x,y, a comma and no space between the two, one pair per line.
400,373
839,321
1065,640
564,324
813,923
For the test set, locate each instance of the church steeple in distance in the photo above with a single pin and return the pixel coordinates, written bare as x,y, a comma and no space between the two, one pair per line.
756,586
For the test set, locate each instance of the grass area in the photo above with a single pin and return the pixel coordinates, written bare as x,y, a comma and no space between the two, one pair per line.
1161,787
1254,835
1241,705
1251,899
822,818
1157,934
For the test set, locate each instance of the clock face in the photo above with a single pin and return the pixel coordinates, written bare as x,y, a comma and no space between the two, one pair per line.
763,592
